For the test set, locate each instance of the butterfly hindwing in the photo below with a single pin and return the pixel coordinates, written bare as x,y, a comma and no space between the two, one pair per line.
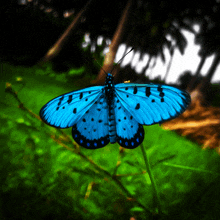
150,104
130,133
92,130
65,110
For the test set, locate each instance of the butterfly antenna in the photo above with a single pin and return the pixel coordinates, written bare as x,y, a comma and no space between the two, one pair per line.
122,58
99,64
117,62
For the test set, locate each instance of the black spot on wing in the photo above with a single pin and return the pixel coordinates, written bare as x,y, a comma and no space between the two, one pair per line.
137,106
135,90
81,95
70,99
160,89
61,99
147,91
161,94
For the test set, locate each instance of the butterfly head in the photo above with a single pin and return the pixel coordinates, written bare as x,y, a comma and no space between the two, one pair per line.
109,79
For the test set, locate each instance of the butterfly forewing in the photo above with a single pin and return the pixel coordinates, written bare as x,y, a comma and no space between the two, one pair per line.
65,110
150,104
92,130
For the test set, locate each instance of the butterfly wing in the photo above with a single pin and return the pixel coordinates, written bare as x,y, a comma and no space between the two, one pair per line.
150,104
65,110
85,110
130,133
92,130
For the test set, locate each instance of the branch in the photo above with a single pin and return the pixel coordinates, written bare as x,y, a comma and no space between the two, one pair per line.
110,56
56,48
76,150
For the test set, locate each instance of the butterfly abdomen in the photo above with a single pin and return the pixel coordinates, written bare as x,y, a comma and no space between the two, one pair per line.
109,93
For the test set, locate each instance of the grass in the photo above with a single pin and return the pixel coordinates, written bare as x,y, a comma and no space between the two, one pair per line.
45,174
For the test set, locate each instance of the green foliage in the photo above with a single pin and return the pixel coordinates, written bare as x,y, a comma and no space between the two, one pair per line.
45,174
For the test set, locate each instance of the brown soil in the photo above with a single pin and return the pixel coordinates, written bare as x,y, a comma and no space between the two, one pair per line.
200,124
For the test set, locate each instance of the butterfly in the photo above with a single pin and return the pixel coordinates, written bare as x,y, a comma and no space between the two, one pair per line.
114,112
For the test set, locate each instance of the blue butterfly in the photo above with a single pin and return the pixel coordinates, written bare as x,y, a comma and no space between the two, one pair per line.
114,112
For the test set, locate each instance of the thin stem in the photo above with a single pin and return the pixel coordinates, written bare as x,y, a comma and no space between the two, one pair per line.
10,90
155,191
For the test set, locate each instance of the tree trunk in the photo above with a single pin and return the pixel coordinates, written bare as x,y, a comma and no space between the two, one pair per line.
200,92
198,71
169,64
191,85
210,73
56,48
213,67
110,56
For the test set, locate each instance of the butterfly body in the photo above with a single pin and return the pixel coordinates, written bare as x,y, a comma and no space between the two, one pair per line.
109,95
114,112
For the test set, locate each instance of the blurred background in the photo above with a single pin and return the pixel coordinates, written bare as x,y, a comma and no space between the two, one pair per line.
50,47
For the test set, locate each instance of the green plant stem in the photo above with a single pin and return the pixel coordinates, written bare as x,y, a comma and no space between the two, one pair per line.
155,191
98,168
